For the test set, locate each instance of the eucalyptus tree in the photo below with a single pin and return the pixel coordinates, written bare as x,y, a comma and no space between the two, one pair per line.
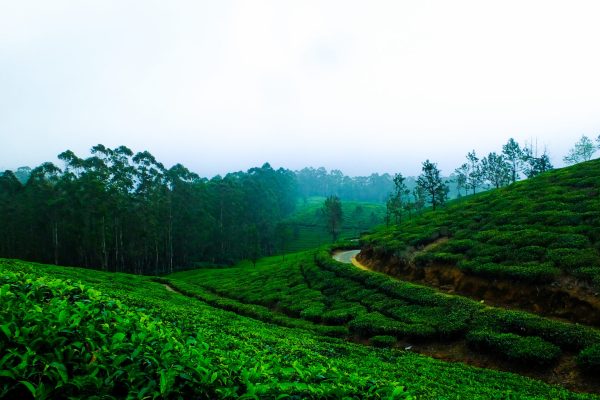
396,199
42,213
514,156
332,213
11,190
496,170
583,150
535,165
432,184
462,173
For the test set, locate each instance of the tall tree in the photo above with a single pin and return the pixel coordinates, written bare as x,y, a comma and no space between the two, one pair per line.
535,165
395,202
332,212
432,185
514,156
462,174
496,170
583,150
475,176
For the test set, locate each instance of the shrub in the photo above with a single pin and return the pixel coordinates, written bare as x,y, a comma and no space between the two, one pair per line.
569,240
528,253
383,341
515,348
589,359
563,334
530,272
571,259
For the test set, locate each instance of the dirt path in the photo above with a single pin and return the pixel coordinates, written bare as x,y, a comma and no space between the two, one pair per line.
170,289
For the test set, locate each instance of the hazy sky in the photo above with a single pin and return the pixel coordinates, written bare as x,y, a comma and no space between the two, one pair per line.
358,85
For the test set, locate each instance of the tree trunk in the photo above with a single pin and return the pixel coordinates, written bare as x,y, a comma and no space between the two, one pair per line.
55,241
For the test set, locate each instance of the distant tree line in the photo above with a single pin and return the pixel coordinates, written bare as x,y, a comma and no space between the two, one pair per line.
500,169
323,183
492,171
121,211
374,188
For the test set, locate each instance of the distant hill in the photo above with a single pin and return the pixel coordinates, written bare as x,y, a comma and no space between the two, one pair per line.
307,226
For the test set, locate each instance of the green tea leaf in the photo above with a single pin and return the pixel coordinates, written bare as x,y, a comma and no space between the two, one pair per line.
163,382
6,329
7,374
62,371
29,386
118,337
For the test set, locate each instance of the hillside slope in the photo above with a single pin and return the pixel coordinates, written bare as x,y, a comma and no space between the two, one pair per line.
313,292
534,245
161,344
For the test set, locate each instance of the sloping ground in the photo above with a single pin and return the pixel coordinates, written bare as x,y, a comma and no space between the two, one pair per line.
534,245
308,228
326,297
158,343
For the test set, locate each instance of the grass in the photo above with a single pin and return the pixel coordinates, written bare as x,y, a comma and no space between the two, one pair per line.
185,347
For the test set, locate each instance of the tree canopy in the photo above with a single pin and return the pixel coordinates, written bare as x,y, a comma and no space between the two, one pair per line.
121,211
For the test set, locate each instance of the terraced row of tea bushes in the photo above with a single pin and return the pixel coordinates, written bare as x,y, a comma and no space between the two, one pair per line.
251,310
530,231
526,350
345,298
301,289
381,313
468,317
273,283
175,348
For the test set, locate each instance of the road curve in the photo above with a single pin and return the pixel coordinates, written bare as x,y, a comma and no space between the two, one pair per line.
348,257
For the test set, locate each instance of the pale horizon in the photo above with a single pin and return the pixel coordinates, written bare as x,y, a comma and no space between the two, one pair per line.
358,86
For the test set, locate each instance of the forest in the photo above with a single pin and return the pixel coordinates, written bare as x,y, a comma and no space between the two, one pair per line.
126,212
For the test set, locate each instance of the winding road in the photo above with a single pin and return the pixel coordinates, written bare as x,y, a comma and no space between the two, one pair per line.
348,257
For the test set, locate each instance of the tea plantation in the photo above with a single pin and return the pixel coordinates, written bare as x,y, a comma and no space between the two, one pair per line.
534,231
302,325
70,332
327,297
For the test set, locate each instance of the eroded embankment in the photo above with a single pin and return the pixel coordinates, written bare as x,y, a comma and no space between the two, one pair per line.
566,298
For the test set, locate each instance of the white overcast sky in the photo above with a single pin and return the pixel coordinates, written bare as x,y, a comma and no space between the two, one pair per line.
362,86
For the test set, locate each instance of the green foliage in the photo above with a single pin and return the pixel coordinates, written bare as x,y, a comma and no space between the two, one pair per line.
61,339
582,151
516,348
308,229
531,231
565,335
120,211
589,359
383,341
525,272
332,214
432,184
